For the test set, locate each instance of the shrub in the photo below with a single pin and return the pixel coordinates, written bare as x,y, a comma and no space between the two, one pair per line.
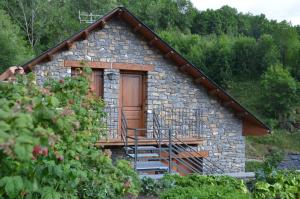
47,138
197,186
252,166
278,184
206,191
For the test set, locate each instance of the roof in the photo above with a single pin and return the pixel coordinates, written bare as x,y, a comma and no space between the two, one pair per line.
251,124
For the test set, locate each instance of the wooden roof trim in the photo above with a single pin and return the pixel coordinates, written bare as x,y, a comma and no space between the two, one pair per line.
149,35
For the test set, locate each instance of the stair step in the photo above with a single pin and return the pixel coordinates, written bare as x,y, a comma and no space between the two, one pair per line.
151,165
144,155
142,148
153,176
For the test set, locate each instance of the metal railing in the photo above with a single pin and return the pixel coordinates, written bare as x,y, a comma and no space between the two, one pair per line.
184,122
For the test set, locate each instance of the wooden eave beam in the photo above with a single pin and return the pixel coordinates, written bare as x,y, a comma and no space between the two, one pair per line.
85,34
213,91
200,79
227,103
137,27
169,54
242,114
120,13
183,67
49,56
68,44
102,23
152,41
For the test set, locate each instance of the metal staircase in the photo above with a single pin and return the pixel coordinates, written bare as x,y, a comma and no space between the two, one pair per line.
169,155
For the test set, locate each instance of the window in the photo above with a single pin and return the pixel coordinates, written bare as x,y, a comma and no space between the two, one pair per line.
96,80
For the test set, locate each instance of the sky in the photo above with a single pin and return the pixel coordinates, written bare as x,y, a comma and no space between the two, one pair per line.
279,10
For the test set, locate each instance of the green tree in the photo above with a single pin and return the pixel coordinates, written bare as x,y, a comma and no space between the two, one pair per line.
267,53
279,92
13,49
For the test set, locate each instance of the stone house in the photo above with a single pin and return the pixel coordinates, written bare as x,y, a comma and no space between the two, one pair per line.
164,111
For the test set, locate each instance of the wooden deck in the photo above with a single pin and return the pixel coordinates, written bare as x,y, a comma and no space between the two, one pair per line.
145,141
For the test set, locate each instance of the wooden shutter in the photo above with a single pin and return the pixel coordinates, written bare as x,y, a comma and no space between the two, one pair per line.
96,79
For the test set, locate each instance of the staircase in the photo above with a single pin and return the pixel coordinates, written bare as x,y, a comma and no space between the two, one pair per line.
169,154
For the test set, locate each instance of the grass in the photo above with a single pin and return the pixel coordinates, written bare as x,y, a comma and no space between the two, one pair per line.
259,147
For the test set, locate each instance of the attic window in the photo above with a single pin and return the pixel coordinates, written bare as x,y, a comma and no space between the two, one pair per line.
96,79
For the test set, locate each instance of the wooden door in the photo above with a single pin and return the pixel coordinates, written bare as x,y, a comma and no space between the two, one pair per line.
132,97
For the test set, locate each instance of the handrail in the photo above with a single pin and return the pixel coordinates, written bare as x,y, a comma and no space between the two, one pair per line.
177,147
124,131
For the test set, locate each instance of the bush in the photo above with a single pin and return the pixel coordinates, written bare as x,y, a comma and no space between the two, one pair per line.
277,184
206,191
47,138
197,186
253,166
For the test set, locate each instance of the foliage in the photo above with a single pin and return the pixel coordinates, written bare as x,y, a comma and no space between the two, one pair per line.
278,184
279,92
175,186
47,138
204,187
205,191
13,47
252,166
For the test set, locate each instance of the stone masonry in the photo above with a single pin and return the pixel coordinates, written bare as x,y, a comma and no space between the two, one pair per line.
166,88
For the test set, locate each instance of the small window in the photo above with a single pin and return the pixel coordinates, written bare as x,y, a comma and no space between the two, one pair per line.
96,80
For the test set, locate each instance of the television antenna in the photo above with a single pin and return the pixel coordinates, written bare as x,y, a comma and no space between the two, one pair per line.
87,17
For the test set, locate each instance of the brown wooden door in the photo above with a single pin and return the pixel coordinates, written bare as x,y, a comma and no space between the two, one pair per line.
132,100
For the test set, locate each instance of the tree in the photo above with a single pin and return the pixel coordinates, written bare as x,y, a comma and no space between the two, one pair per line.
13,49
267,53
279,92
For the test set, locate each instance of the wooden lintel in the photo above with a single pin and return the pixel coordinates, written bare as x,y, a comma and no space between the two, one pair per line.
213,91
114,65
183,67
169,54
227,103
152,41
200,79
137,27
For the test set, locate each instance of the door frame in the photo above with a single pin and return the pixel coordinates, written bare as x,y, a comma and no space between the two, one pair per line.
144,98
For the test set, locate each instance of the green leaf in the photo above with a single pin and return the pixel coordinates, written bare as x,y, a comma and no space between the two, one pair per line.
13,185
4,126
23,152
49,193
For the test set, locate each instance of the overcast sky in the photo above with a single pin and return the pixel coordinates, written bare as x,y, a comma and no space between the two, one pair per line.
280,10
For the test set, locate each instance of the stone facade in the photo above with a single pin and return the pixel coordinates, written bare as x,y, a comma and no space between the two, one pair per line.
166,88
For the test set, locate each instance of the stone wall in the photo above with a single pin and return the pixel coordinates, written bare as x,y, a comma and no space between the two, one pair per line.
166,88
